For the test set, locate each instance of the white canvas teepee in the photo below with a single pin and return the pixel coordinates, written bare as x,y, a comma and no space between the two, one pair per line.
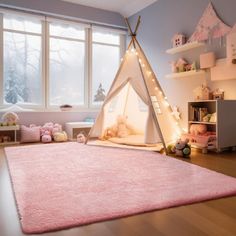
136,93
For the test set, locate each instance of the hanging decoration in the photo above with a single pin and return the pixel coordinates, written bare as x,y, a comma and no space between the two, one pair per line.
176,113
210,26
231,46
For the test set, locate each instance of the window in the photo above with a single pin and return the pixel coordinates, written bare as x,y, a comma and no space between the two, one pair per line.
22,60
49,62
66,64
106,51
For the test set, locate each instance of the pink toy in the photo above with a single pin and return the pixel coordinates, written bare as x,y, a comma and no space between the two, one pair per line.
46,137
51,128
198,129
56,128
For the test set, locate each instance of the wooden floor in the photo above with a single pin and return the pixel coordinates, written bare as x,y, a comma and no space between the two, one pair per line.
214,218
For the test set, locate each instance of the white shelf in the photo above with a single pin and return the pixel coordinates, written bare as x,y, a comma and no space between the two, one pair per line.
202,122
185,47
9,128
186,74
9,143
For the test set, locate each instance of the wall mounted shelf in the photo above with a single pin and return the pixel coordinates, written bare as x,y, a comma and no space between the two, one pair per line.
223,70
185,47
186,74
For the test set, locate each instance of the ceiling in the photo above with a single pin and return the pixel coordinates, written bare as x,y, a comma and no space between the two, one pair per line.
124,7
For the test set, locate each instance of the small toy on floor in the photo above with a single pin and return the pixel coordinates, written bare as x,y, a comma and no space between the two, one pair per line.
180,148
60,136
81,138
46,137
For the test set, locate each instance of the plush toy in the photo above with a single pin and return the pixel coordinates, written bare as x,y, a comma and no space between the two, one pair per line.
198,129
10,118
46,137
123,129
182,148
60,136
109,132
81,138
56,128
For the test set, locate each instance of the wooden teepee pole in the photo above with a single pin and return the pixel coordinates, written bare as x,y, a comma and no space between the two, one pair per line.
137,25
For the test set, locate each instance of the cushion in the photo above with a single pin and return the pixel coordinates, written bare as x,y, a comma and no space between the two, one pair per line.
30,134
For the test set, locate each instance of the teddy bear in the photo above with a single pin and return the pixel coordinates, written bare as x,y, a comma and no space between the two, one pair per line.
123,129
181,148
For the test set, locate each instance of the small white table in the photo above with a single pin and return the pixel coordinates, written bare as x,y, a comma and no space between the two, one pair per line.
13,128
74,128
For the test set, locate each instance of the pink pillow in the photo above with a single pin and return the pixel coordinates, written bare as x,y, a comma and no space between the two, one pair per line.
30,134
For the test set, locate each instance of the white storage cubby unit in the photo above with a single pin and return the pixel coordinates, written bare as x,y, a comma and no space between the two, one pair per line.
74,128
225,125
8,135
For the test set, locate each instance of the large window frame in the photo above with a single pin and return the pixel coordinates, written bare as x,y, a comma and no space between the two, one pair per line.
41,105
45,106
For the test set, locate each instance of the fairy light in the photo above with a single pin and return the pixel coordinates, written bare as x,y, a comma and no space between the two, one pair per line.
184,130
132,50
136,53
140,61
143,65
165,98
153,80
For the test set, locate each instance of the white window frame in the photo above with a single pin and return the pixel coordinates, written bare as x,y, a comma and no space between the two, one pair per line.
48,36
121,46
45,38
42,35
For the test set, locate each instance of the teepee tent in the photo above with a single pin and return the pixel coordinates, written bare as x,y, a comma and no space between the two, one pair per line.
136,93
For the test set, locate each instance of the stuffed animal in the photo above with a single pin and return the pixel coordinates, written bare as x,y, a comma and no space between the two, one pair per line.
123,129
56,128
10,118
60,136
198,129
182,148
81,138
109,132
46,137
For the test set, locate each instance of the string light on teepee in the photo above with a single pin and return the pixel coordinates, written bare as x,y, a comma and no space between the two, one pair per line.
156,88
132,50
140,61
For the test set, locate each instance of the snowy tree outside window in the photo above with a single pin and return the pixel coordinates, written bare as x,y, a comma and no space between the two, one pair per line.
22,61
106,60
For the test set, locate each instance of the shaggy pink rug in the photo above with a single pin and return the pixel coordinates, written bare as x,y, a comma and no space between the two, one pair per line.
63,185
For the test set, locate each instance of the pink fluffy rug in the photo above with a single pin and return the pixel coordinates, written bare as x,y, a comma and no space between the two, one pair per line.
63,185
